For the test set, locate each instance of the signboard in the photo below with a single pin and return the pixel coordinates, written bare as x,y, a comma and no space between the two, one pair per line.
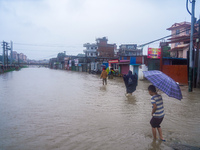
112,62
154,53
70,63
76,62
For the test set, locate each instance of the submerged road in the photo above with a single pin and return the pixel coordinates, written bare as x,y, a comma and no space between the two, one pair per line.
54,109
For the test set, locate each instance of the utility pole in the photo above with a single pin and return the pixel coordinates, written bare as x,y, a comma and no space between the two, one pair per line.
3,59
198,58
191,62
6,55
18,59
11,52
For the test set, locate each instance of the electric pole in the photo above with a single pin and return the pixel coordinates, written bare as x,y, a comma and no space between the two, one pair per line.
11,52
3,59
198,58
191,62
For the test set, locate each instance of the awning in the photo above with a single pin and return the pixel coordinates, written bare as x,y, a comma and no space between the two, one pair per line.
136,64
113,61
124,62
179,48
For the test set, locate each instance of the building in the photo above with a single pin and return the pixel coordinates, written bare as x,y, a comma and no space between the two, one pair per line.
91,50
129,50
99,49
21,56
14,55
104,49
180,38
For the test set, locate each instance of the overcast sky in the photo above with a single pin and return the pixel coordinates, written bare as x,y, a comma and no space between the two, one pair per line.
42,28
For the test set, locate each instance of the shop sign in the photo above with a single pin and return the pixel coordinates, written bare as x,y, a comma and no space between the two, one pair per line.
154,53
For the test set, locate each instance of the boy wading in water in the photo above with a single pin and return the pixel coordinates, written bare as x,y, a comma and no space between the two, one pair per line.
157,111
104,75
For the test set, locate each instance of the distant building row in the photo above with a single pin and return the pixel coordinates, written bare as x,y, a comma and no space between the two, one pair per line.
102,49
19,56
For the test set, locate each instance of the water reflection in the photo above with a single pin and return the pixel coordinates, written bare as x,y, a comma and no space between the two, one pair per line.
155,145
131,99
103,88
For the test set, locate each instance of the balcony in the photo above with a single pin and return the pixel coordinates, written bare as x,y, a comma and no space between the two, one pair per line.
90,51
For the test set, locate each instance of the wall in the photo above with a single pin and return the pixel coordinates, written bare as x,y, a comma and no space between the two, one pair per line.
106,51
154,64
142,68
177,72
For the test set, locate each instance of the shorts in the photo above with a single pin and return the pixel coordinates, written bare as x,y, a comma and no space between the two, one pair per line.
155,122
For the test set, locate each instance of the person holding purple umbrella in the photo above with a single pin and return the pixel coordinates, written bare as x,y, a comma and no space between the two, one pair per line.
157,111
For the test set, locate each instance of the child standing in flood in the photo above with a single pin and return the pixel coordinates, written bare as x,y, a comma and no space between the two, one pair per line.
157,111
104,75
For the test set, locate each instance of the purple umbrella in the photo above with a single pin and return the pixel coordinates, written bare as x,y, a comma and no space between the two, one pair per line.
164,83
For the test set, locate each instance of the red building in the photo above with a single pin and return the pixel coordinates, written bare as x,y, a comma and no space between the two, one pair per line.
104,49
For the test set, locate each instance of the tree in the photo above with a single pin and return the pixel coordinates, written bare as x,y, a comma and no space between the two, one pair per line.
166,52
61,56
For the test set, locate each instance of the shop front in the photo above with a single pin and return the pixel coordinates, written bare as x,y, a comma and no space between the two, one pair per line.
124,66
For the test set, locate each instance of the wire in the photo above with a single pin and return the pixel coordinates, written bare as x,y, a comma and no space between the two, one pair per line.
142,45
187,7
25,44
15,49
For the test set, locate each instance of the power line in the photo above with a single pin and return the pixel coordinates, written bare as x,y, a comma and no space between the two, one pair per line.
44,45
142,45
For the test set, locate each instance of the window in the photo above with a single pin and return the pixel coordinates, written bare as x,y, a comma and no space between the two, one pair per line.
176,44
177,32
187,31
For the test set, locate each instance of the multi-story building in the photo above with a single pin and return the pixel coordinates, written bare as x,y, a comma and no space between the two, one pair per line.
104,49
129,50
99,49
24,58
91,50
21,56
180,36
14,55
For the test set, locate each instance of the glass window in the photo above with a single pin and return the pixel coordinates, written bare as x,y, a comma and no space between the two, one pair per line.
187,31
177,32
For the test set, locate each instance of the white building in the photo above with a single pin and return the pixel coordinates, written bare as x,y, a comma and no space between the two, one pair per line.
91,50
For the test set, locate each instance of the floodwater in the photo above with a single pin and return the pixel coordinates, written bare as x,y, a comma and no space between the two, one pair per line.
44,109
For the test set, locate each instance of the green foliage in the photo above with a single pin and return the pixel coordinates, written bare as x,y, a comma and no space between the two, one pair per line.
166,52
60,56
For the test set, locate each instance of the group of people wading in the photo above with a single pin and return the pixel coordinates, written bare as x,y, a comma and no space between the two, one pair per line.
130,81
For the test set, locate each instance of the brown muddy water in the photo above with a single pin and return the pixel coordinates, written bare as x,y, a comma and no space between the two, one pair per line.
44,109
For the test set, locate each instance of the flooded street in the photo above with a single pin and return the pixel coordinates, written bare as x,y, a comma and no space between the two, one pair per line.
54,109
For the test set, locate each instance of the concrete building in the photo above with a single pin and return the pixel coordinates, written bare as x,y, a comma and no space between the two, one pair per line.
15,56
104,49
129,50
179,40
99,49
91,50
